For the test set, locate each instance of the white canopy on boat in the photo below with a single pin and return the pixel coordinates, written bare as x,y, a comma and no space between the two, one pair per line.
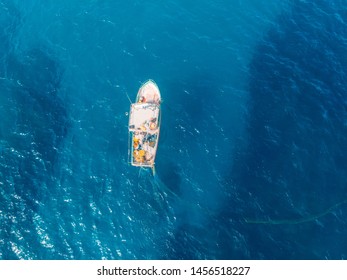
141,114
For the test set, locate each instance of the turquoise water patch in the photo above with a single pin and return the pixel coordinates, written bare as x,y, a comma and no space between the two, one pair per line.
253,129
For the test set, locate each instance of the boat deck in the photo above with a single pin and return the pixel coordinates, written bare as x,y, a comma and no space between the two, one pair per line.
144,126
149,93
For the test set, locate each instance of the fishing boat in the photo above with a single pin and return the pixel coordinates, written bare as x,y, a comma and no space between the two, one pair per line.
144,126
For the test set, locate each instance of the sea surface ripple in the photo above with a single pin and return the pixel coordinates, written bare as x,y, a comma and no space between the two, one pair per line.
252,155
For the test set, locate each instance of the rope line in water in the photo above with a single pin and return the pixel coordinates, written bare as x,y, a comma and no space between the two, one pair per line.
296,221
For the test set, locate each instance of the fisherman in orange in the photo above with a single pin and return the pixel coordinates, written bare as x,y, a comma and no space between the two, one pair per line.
139,155
136,142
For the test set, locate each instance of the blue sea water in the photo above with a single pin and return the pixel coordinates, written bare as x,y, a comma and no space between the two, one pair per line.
252,155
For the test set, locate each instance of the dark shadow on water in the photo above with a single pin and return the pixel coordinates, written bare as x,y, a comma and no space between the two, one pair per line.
42,111
188,127
30,147
297,134
169,173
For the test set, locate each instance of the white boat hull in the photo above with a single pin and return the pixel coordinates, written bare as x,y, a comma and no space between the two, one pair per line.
144,125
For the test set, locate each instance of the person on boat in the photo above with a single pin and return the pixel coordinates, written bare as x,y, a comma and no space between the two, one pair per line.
143,127
142,99
152,126
136,142
137,157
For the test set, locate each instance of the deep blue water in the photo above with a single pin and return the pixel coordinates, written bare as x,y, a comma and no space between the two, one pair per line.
252,155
